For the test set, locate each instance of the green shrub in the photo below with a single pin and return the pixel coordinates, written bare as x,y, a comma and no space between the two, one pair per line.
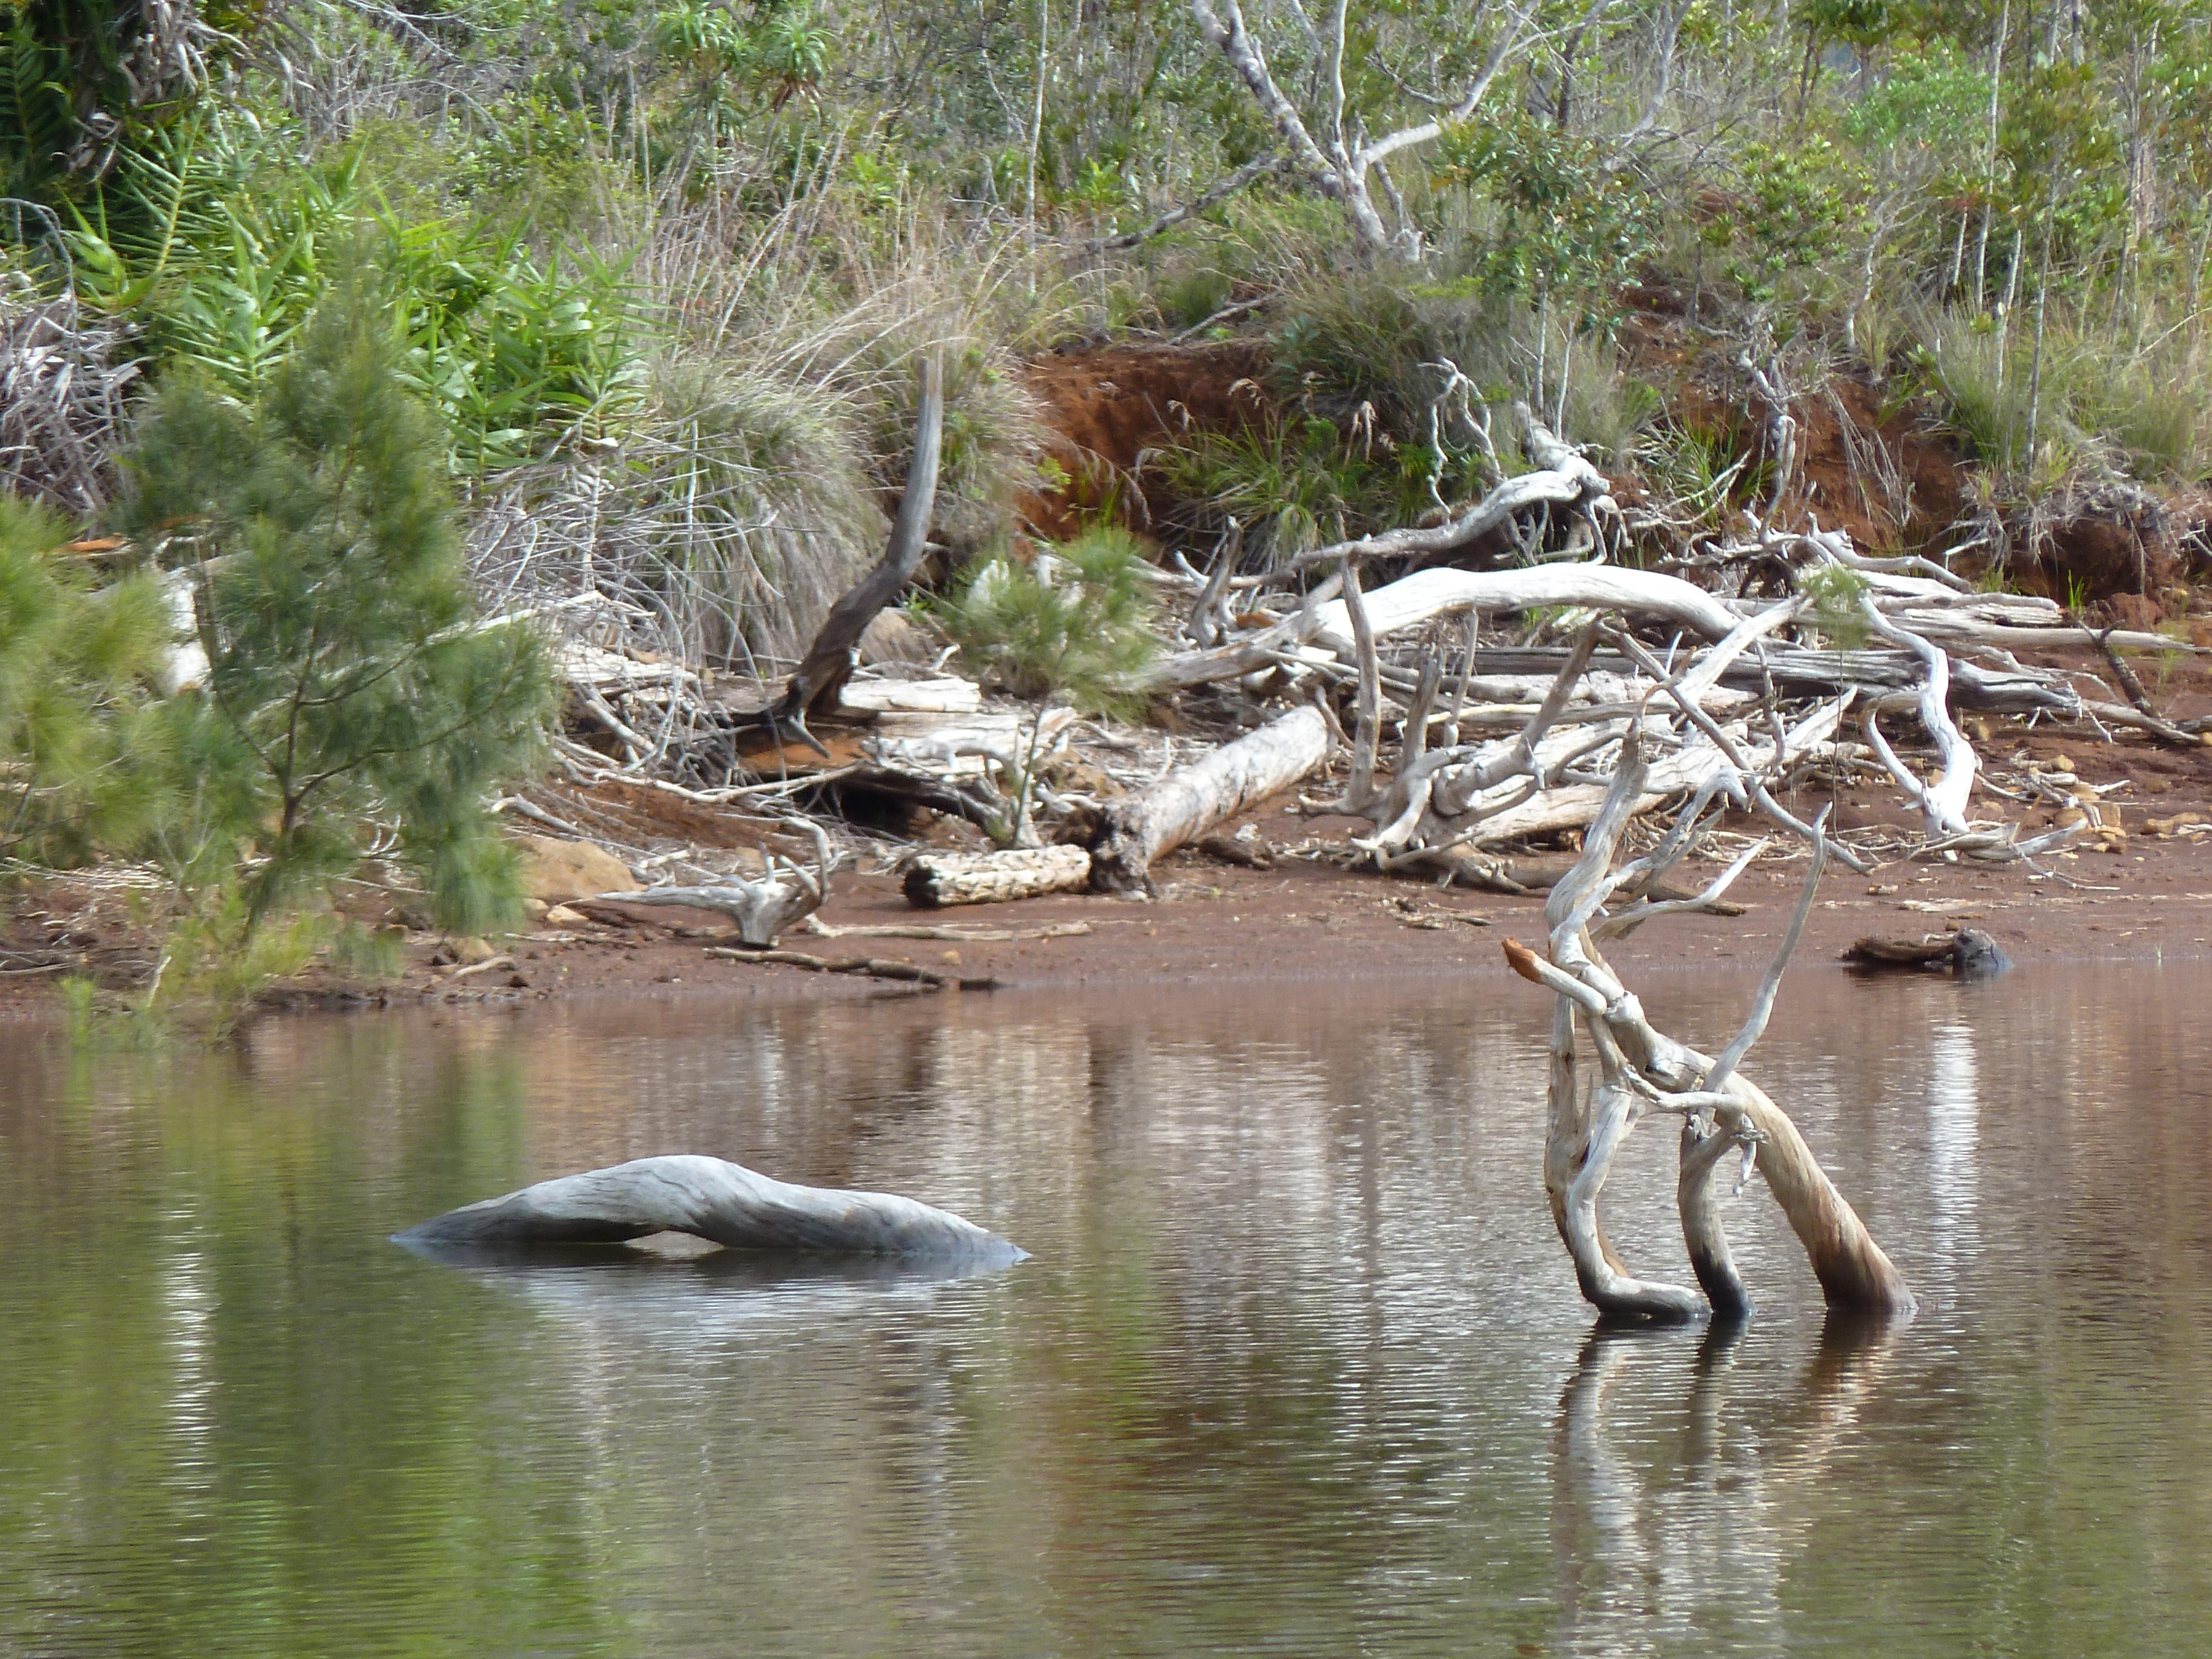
1076,621
81,743
346,682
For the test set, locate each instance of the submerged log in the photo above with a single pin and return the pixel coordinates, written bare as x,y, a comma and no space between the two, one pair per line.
1191,799
1970,953
724,1203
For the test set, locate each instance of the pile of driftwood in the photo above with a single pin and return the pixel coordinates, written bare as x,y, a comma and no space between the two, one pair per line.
1506,702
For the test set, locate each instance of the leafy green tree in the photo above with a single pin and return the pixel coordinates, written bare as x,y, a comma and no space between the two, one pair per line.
348,681
79,739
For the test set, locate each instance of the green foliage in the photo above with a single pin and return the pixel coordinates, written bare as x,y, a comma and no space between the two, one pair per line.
83,82
1793,205
1933,97
1074,621
1189,298
80,741
2101,403
1565,228
1699,471
226,254
1291,483
1836,592
518,356
347,681
217,958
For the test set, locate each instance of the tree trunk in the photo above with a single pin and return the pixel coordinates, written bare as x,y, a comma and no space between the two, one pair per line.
829,661
726,1203
1191,799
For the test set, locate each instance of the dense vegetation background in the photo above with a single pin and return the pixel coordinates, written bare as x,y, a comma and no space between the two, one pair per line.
657,277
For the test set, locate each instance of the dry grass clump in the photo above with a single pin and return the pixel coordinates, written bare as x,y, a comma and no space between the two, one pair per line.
63,374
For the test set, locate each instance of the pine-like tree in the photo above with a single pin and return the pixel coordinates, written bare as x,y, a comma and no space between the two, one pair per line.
349,683
81,745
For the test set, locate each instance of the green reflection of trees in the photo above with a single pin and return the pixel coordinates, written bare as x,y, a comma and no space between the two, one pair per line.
238,1422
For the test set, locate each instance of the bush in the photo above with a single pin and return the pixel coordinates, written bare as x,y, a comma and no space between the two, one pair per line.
80,739
1075,621
347,681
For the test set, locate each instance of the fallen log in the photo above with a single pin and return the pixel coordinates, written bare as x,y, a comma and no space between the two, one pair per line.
1970,953
1413,599
937,879
956,935
724,1203
1191,799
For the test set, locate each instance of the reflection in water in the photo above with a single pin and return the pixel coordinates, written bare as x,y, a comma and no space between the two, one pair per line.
719,1295
1694,1538
1298,1366
1953,1125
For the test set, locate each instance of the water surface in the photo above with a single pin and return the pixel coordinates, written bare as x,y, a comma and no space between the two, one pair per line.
1298,1366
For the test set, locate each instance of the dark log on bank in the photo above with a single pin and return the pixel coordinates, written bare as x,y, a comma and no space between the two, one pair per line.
1970,953
724,1203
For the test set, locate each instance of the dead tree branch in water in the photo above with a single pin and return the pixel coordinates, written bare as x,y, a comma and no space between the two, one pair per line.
1641,1069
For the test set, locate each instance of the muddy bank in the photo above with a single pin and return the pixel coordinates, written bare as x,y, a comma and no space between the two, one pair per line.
1309,921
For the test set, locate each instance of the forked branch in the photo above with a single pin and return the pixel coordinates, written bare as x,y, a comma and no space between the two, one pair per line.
1641,1069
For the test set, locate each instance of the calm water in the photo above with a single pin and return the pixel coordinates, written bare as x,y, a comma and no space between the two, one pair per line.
1298,1365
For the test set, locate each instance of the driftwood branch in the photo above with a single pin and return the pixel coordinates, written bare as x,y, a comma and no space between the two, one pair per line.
814,686
1642,1069
763,909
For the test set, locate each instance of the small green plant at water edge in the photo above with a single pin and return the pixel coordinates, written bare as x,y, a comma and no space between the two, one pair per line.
348,682
1075,622
215,961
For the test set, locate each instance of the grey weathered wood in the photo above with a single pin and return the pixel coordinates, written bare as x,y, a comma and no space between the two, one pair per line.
1191,799
724,1202
934,879
761,910
829,661
1640,1069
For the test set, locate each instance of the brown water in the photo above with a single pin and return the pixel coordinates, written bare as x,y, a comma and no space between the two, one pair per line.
1298,1366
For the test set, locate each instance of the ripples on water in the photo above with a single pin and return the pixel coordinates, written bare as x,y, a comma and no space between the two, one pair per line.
1298,1365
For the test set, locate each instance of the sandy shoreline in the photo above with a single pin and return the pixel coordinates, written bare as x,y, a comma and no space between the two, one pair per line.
1306,922
2143,894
